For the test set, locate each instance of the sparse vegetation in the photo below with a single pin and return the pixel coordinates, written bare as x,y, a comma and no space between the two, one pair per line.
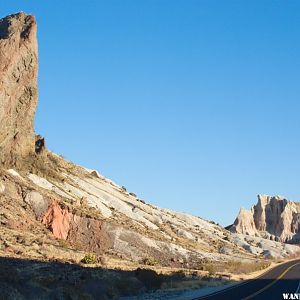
150,261
63,243
132,194
238,267
191,284
211,269
149,278
235,267
89,259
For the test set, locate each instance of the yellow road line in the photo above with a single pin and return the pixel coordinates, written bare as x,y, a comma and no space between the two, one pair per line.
272,283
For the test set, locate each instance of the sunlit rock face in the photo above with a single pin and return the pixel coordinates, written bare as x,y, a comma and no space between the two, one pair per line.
54,209
18,87
273,217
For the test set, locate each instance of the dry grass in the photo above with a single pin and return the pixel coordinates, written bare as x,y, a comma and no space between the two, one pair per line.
293,256
236,267
191,284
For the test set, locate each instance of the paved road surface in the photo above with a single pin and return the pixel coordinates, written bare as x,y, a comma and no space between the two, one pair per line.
284,278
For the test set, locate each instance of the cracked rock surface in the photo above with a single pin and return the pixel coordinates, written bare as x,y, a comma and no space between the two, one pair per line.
18,87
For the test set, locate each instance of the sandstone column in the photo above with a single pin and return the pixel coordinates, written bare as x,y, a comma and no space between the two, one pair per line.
18,87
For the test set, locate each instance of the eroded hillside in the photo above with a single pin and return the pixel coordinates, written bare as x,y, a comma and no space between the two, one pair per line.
52,209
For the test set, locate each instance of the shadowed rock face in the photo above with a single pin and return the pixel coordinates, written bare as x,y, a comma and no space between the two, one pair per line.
274,218
18,87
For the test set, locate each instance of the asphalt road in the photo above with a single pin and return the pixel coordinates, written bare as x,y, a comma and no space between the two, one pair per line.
271,285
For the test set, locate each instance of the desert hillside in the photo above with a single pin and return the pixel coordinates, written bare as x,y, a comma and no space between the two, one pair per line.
56,216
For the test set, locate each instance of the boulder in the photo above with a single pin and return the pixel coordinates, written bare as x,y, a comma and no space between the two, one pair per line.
37,202
96,174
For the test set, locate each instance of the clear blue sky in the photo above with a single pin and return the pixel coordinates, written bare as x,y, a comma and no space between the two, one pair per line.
193,105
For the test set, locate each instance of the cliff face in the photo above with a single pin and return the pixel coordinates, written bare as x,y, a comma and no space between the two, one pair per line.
274,218
18,87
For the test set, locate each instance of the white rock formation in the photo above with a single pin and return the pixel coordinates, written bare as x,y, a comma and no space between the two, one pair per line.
273,218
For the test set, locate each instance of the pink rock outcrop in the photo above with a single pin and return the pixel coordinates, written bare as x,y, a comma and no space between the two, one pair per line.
57,220
84,232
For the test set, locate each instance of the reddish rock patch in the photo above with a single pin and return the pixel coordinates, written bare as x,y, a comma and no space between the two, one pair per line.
83,232
57,220
90,234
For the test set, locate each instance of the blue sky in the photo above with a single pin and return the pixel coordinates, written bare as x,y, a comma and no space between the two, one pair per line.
193,105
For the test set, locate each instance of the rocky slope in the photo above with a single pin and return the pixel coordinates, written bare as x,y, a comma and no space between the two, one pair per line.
52,209
273,218
76,204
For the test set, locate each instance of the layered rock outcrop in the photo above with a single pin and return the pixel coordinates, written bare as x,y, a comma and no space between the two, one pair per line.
84,232
273,218
18,87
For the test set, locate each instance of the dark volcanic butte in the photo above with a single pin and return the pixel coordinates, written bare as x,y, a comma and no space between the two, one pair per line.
18,87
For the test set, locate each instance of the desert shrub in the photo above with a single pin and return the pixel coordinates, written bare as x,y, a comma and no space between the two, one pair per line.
150,261
127,286
89,259
150,279
234,267
63,243
211,269
132,194
178,275
238,267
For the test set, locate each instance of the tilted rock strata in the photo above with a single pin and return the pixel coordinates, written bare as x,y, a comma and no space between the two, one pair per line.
273,218
132,225
18,87
21,205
